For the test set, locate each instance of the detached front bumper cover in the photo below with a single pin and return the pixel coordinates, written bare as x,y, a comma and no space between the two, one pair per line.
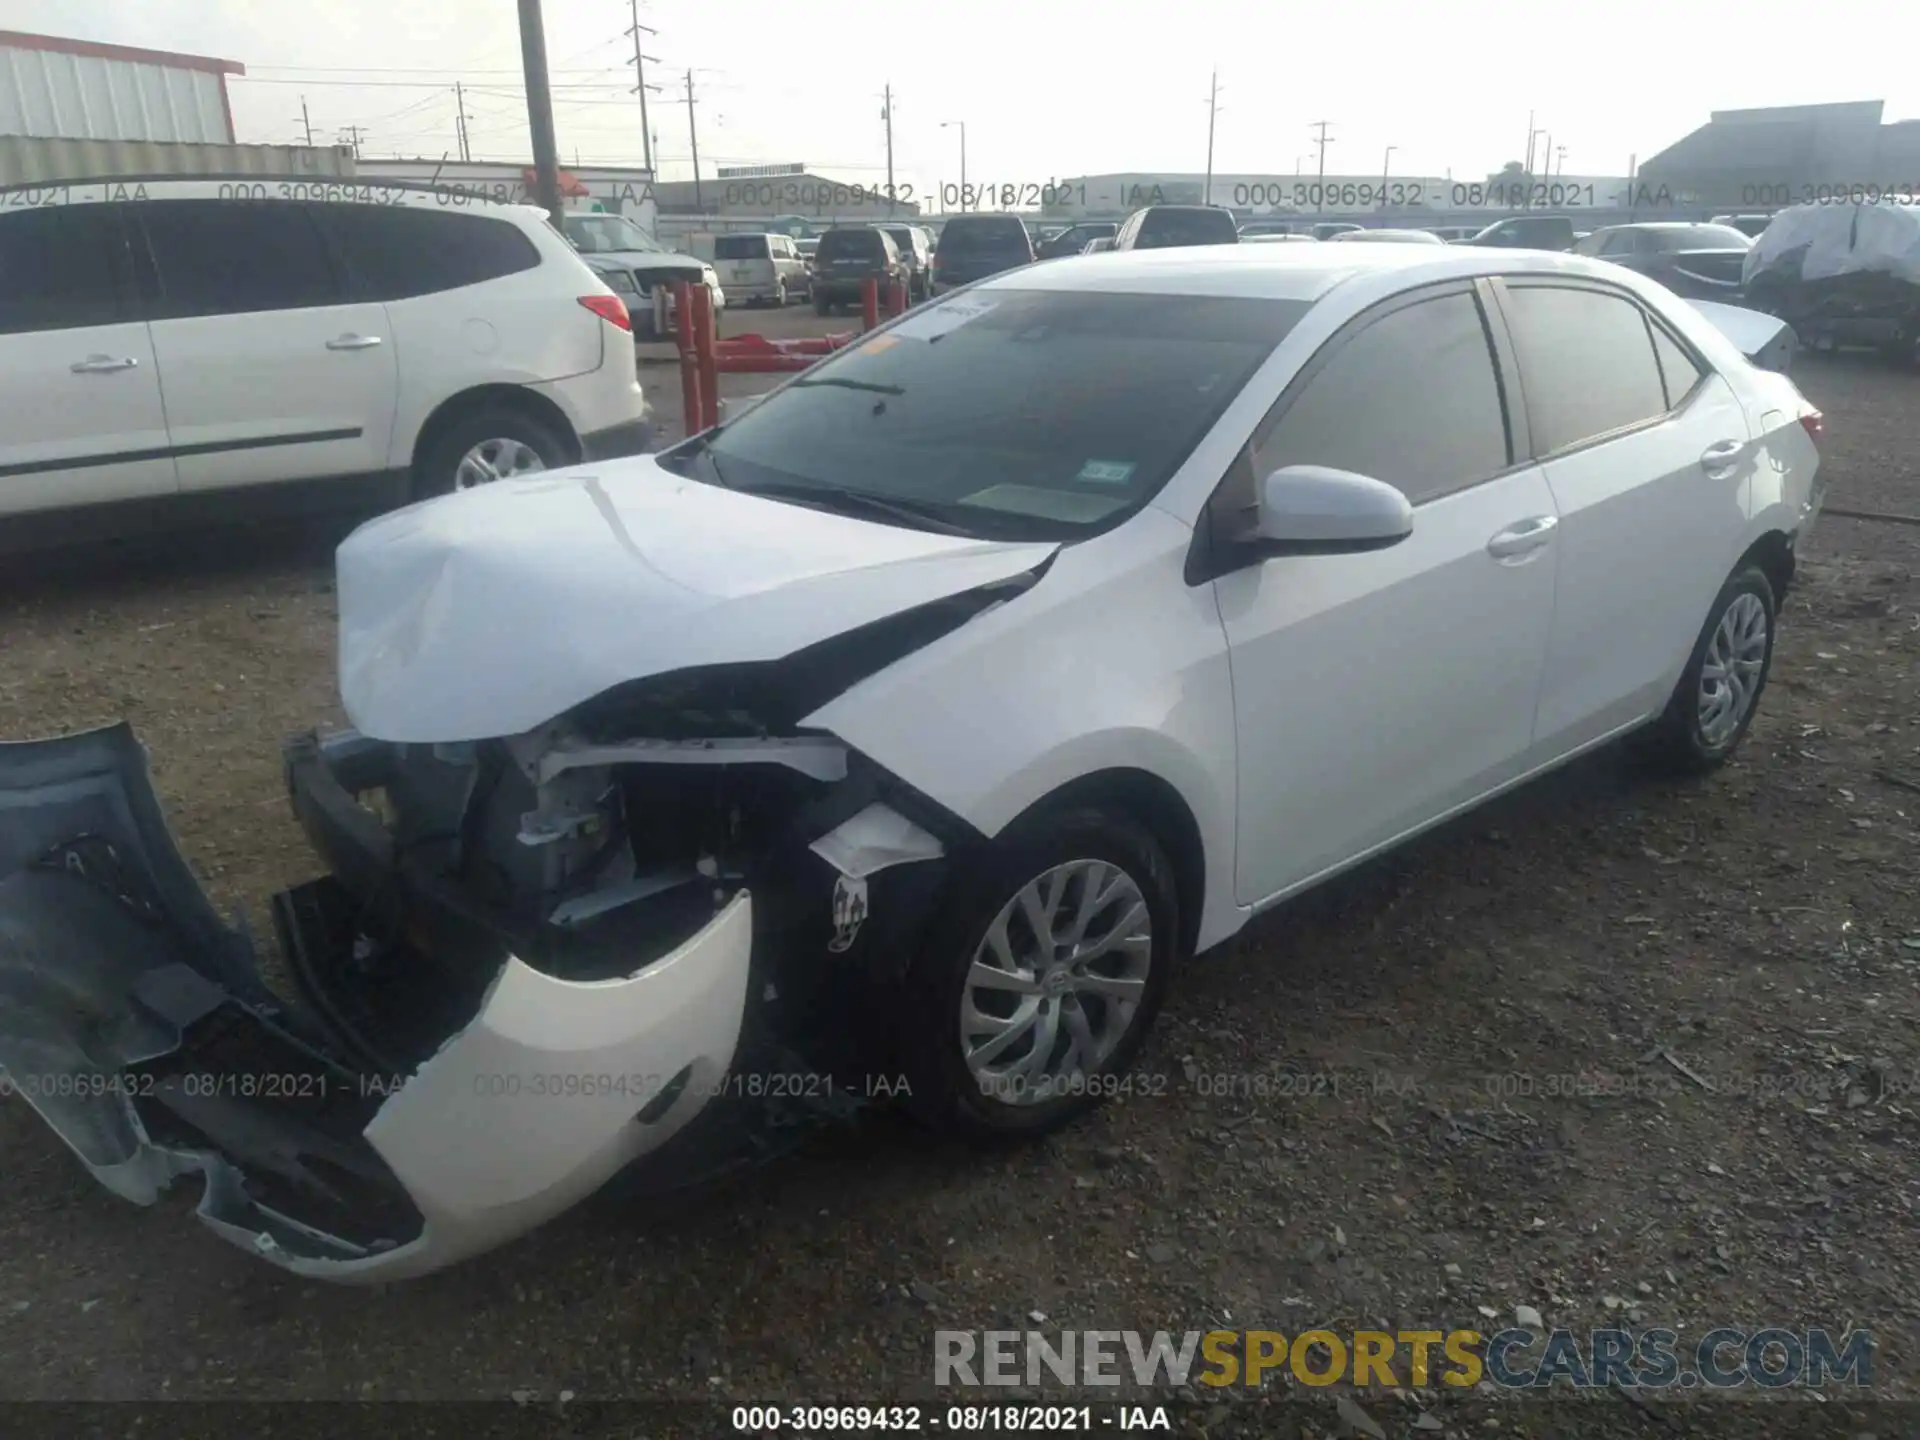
136,1024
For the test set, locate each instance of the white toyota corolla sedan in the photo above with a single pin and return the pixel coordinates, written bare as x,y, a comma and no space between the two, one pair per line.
904,735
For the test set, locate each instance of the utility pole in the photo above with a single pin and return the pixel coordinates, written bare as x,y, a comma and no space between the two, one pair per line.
1531,132
640,81
533,60
1320,190
693,134
886,114
1213,109
1560,162
962,126
1385,164
460,103
352,132
305,122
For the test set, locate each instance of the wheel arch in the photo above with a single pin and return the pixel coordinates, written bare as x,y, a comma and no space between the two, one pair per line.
1154,803
1773,552
478,399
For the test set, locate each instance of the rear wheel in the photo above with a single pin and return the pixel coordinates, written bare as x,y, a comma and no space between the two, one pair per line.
1719,692
486,446
1048,966
780,294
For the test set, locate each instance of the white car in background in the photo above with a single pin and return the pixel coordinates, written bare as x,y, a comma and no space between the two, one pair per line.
922,720
616,240
165,340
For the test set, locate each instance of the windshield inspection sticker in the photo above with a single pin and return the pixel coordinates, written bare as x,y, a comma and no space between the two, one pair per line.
1106,472
942,319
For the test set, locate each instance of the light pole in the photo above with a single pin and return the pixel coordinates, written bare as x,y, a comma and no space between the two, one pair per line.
1386,162
944,124
1213,109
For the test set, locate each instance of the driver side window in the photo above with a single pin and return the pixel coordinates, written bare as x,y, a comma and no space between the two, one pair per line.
1412,399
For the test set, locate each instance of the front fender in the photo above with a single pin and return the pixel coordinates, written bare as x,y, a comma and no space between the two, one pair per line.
1110,662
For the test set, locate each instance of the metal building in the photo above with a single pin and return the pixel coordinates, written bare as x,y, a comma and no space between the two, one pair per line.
81,90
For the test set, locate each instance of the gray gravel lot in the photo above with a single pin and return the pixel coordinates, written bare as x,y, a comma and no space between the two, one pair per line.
1353,1115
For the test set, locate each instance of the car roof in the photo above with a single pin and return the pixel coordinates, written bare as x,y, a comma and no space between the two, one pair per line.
1287,272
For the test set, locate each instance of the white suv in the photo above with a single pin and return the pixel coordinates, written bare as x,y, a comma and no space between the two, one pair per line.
161,338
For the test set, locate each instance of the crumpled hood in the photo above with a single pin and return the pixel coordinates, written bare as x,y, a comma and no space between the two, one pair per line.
488,612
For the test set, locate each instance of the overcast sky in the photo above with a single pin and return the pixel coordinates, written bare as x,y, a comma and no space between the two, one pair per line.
1047,88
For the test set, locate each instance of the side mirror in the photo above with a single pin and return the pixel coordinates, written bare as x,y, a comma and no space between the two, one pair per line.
1317,510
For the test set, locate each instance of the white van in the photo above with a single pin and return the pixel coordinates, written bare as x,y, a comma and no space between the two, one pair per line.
761,269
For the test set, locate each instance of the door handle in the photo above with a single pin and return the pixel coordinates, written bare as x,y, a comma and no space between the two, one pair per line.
1528,535
102,364
353,342
1722,455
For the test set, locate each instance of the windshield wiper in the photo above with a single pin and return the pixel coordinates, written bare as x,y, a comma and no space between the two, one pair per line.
919,515
867,385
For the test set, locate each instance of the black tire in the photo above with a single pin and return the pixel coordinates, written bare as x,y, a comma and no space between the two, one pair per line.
821,305
440,464
944,1092
1677,743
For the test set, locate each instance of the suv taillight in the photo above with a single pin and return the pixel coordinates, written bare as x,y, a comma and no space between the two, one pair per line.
1815,424
610,308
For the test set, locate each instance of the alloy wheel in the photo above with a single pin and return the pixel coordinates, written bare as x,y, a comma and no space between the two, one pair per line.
1730,670
499,459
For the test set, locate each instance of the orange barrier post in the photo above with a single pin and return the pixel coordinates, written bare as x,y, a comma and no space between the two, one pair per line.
869,303
691,408
704,342
897,298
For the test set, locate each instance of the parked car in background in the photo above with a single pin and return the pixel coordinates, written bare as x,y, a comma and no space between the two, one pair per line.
1391,237
1172,227
916,252
616,238
1074,239
1528,232
322,345
849,256
1454,234
1098,245
972,247
923,720
1748,225
760,269
1701,262
1270,226
1842,275
1327,229
1278,240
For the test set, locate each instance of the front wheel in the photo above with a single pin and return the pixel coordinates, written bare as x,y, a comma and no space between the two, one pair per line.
1719,691
1047,967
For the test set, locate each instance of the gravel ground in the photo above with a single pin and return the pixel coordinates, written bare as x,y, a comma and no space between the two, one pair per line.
1724,972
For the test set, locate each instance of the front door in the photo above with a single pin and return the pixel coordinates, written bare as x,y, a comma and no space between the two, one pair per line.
271,372
1376,692
81,419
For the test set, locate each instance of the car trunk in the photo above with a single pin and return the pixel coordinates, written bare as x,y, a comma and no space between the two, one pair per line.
1711,270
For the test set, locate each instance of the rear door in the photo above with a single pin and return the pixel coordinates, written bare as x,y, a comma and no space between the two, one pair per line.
271,372
1375,692
1648,455
81,419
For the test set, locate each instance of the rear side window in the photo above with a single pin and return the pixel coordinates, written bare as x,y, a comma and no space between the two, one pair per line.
740,247
1586,362
1186,227
61,266
1677,368
903,239
1412,400
219,257
396,251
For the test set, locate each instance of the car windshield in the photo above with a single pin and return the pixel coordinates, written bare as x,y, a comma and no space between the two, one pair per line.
1185,227
972,237
1024,414
1702,237
740,247
607,234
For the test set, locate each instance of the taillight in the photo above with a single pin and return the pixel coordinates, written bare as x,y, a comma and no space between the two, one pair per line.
1814,423
610,308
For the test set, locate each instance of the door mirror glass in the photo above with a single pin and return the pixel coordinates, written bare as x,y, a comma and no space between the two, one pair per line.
1317,510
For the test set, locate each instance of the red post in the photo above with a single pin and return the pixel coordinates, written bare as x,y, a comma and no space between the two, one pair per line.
869,303
897,298
704,342
691,407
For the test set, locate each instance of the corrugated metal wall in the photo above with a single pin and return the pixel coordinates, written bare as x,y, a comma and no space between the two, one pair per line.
50,92
28,159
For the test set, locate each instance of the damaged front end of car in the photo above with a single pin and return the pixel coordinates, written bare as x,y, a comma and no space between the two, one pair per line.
658,929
